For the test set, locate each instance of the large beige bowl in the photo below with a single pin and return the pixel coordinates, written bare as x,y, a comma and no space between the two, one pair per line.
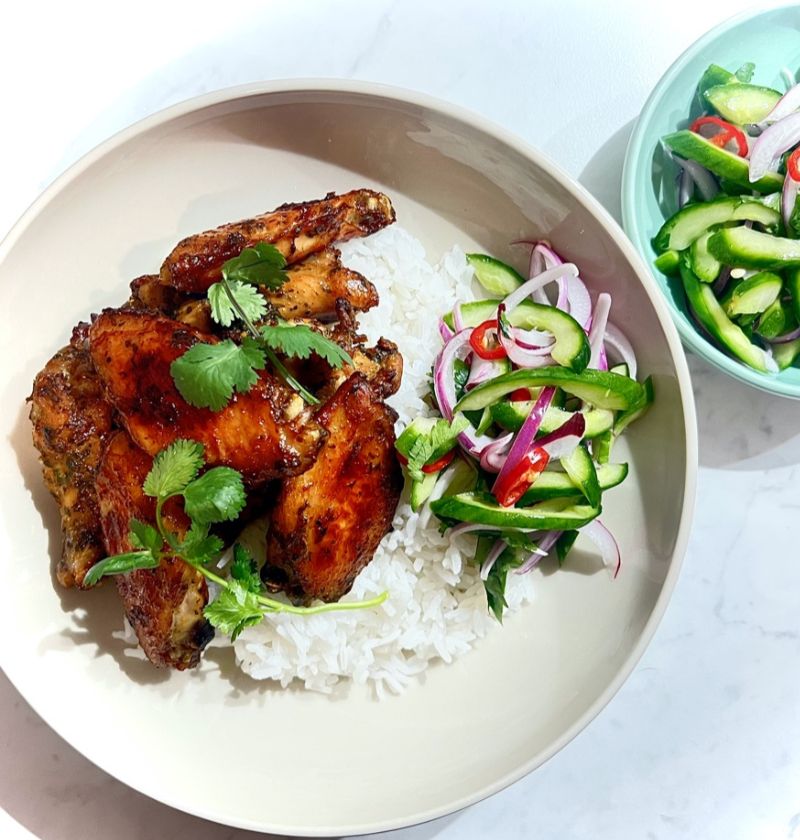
213,742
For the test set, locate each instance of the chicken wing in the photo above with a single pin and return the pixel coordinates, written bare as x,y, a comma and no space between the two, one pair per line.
71,420
297,230
164,605
328,521
314,285
260,433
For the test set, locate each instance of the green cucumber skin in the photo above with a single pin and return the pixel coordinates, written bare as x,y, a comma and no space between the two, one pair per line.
483,508
714,76
511,416
599,388
752,295
581,470
601,449
690,223
727,165
571,348
420,490
742,103
776,320
712,316
793,285
746,248
495,276
636,411
555,485
705,266
786,354
668,262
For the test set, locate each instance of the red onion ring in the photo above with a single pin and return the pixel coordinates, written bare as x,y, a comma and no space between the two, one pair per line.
773,142
598,330
562,441
788,198
604,540
788,103
491,558
616,339
546,543
493,456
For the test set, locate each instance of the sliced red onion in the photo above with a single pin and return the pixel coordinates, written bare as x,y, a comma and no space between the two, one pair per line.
483,369
549,539
467,528
788,198
702,178
722,281
444,331
787,104
615,338
491,558
494,455
580,304
562,441
524,358
533,339
775,140
538,282
604,540
790,336
524,440
598,330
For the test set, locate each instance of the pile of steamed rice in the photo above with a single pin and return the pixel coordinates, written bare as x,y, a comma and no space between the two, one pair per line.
436,608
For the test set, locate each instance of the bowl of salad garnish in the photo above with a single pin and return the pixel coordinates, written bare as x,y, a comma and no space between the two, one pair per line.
710,197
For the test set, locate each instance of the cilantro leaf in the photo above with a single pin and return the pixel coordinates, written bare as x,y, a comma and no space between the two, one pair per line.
198,547
207,374
217,496
262,264
119,564
173,468
301,341
144,536
495,583
432,446
234,608
502,321
461,375
244,569
564,545
250,300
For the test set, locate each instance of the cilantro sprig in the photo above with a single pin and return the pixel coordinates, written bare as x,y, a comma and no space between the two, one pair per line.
207,375
217,495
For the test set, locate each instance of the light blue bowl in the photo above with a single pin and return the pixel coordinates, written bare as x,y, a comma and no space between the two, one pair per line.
771,40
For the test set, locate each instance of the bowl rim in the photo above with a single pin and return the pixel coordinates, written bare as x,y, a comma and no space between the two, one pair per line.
404,96
691,336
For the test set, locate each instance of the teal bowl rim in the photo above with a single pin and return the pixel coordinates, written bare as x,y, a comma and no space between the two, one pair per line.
691,336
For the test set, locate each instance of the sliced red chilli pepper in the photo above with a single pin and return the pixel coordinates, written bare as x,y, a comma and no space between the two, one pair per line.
726,133
479,342
440,463
793,165
520,395
513,485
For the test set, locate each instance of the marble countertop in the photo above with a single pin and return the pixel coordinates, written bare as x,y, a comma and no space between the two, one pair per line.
702,741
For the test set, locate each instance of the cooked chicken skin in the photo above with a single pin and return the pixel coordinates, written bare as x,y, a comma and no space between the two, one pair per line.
132,352
296,230
314,285
328,521
164,605
71,421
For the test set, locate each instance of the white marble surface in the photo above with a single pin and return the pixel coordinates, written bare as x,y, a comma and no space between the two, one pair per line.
703,740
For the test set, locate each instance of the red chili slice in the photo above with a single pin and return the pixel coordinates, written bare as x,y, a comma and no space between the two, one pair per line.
727,133
793,165
441,463
478,341
511,487
520,395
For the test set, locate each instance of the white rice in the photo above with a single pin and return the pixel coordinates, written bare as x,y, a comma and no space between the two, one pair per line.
436,608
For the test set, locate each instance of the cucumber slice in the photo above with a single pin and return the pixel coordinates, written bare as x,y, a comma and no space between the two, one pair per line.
495,276
417,428
793,285
714,76
712,316
668,262
551,515
635,411
598,387
727,165
741,246
752,295
705,266
581,470
776,320
511,416
571,347
601,448
681,230
421,490
742,104
553,485
786,354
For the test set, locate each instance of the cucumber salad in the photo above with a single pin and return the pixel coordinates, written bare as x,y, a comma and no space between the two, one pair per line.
735,240
526,412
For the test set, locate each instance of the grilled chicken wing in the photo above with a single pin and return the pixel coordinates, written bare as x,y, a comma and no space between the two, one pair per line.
314,285
164,605
71,420
260,433
328,521
297,230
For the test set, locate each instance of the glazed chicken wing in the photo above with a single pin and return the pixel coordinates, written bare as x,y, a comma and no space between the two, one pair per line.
328,521
297,230
263,433
71,420
164,605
